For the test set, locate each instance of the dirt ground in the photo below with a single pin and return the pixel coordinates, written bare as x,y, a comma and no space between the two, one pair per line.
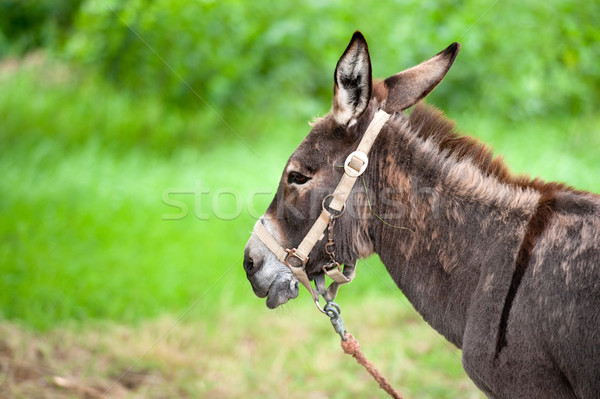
59,366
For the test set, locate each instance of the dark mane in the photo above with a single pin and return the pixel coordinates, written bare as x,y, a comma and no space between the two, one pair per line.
430,123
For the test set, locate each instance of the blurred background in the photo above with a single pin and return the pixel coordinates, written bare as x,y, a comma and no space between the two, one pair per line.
140,140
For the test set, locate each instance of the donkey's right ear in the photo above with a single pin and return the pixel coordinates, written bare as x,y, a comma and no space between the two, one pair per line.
352,81
406,88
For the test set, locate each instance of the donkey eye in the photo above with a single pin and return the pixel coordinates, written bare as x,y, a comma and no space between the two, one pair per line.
297,178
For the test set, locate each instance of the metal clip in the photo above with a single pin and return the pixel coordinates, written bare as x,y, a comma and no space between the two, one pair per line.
333,310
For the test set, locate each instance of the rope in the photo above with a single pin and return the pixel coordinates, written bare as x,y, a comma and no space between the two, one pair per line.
352,347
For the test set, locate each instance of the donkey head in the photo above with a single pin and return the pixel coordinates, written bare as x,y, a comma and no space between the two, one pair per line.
314,169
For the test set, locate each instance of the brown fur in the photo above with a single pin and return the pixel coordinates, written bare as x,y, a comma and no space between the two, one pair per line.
505,267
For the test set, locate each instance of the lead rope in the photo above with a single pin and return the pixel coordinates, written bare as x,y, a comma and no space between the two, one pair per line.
352,347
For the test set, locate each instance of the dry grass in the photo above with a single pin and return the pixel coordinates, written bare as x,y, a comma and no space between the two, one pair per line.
248,352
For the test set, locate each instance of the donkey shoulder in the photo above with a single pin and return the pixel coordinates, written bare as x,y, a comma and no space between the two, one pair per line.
561,297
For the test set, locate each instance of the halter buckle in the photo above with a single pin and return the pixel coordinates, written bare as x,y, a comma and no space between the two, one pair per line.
329,267
293,253
356,163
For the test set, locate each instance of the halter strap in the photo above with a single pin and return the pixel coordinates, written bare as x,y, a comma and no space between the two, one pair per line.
354,166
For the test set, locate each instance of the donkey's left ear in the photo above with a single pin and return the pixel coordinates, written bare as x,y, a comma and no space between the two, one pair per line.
352,81
406,88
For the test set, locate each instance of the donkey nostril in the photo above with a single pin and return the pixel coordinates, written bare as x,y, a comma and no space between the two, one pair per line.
253,260
249,265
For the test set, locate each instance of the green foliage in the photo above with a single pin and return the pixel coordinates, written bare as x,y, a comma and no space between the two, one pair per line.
518,59
67,107
27,24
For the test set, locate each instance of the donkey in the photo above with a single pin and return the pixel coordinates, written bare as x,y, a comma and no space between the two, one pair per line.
505,267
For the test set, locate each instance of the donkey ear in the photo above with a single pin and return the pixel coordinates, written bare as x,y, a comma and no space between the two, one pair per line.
406,88
352,81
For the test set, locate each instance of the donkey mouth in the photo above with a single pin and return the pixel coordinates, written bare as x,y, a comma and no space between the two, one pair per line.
282,290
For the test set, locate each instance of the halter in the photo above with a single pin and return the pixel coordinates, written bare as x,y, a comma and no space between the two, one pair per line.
354,166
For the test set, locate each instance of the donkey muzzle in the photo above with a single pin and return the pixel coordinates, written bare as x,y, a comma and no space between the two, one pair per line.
267,275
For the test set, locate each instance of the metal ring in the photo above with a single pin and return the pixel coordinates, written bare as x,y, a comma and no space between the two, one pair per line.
333,212
320,308
335,306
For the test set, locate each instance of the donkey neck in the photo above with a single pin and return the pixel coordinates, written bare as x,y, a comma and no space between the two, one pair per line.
463,220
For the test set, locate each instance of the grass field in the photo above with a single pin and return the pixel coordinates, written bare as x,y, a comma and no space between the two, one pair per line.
246,352
114,250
